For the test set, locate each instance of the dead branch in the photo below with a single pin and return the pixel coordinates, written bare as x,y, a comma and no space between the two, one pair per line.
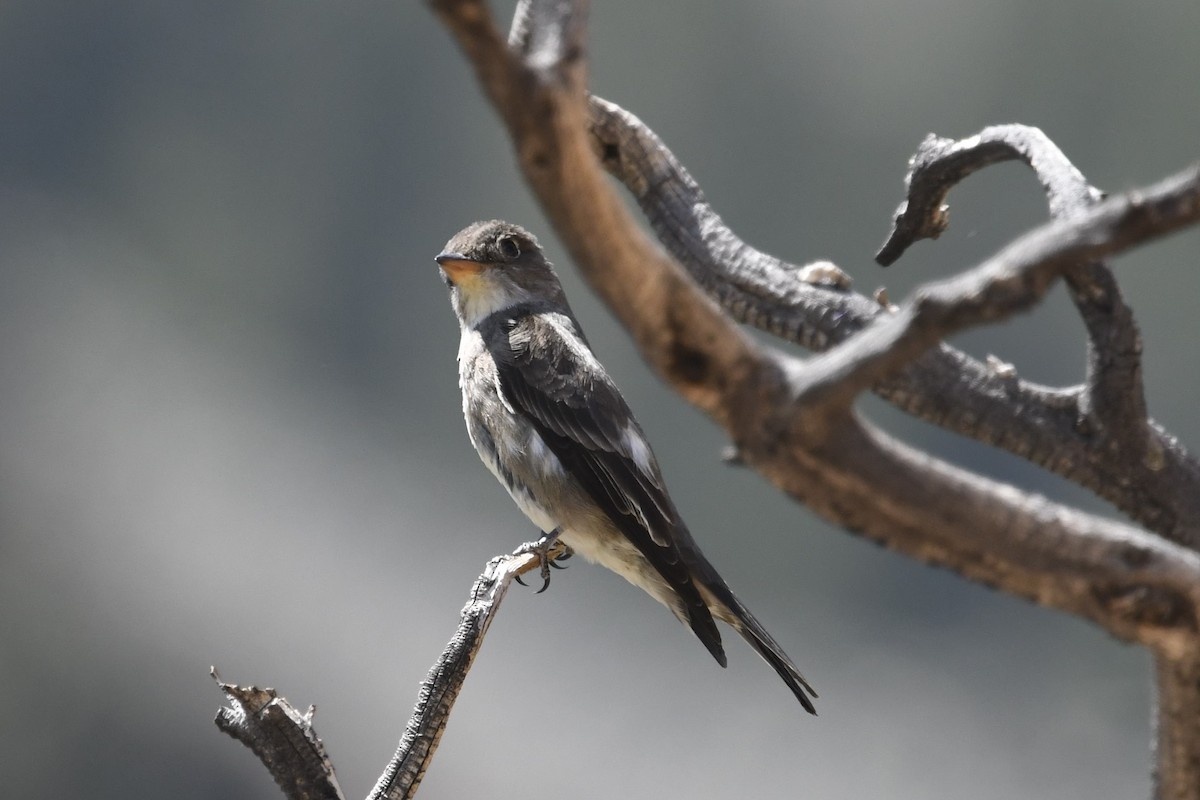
1112,402
285,742
281,737
1055,428
1011,281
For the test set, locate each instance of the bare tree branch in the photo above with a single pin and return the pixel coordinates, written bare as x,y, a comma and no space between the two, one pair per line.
940,164
1133,584
946,387
441,687
1011,281
782,299
283,739
1112,404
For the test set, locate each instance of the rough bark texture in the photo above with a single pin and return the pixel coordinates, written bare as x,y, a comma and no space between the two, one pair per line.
682,299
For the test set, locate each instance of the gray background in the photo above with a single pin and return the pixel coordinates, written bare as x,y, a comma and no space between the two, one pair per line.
230,430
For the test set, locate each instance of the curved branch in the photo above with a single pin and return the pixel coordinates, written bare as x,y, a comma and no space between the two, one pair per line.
1133,584
1013,280
1112,405
944,386
940,164
753,287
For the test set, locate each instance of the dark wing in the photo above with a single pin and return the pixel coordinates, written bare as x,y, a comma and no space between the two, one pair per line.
548,373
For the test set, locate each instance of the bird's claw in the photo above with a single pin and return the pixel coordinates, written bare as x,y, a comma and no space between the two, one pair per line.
541,549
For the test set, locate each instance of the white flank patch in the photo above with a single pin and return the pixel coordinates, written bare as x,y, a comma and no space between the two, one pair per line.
638,450
542,455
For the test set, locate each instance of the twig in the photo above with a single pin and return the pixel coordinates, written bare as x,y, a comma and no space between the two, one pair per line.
282,738
1011,281
940,164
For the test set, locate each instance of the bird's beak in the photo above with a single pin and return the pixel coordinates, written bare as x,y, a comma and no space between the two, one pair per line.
456,265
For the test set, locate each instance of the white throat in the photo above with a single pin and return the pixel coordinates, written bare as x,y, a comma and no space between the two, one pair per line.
478,298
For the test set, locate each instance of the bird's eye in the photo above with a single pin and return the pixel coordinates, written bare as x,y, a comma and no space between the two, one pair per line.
509,247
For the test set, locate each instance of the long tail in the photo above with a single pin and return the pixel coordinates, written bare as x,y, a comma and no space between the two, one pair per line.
724,605
758,638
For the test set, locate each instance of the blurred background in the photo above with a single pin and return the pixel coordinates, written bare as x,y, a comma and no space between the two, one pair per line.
230,429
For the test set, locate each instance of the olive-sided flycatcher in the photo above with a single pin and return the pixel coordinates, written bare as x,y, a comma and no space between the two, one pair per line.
553,428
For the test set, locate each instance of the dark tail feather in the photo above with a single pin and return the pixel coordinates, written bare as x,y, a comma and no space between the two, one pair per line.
700,620
773,654
726,607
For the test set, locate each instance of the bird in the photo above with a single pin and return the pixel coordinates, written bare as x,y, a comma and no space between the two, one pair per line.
551,425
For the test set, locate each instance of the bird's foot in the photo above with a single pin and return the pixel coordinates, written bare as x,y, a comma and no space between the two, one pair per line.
541,548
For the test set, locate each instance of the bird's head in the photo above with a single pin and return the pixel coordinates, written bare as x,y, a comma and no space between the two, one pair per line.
491,266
